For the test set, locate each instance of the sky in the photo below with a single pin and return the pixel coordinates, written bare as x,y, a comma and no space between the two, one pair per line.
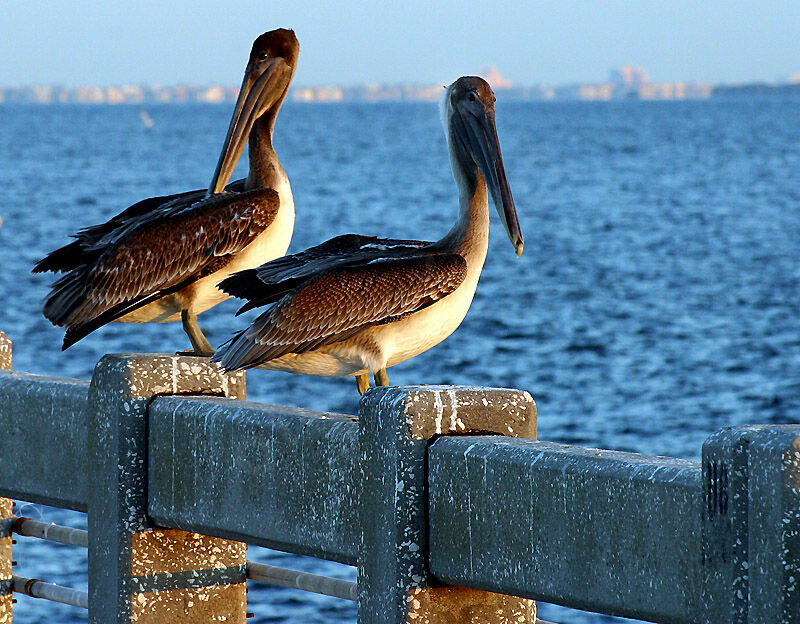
420,41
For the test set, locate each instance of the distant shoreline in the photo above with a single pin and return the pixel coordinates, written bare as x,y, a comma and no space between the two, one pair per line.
216,94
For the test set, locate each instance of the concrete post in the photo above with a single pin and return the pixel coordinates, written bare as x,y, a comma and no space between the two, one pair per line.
5,352
396,425
751,525
6,511
724,526
138,573
774,525
6,591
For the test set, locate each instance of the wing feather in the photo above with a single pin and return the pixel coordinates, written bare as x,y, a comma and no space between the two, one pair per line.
349,248
271,281
342,302
79,251
144,257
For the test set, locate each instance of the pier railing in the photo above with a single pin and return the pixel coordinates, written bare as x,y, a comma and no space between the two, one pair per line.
442,497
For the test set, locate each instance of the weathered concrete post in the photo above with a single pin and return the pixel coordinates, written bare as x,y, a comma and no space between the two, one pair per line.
6,511
751,525
138,573
725,543
396,425
5,352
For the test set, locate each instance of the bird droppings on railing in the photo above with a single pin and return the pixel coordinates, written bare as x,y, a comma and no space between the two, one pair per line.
468,409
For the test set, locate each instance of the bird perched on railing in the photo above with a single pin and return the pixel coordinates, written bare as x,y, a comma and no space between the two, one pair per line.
161,259
356,304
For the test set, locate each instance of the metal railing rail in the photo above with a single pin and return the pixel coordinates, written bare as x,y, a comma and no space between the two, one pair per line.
259,572
303,498
305,581
37,588
413,504
263,573
50,532
38,410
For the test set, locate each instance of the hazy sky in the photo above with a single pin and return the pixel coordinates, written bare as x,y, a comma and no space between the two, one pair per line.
174,41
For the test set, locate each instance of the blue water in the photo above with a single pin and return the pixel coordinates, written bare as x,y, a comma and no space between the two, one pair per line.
656,301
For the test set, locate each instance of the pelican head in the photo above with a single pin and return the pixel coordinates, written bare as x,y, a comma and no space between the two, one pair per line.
269,71
468,117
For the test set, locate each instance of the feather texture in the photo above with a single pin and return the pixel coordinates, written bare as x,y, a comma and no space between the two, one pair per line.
131,261
341,299
80,251
269,282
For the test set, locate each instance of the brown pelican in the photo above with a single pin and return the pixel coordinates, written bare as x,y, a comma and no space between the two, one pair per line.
355,304
161,259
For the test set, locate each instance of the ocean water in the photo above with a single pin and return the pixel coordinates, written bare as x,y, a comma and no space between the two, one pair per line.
657,299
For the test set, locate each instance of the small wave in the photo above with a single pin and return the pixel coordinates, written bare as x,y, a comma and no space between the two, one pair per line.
592,347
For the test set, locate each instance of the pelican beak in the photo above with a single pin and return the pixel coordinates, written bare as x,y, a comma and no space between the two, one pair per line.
261,89
477,128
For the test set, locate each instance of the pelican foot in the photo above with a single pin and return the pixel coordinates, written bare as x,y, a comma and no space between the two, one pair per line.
196,353
362,381
381,378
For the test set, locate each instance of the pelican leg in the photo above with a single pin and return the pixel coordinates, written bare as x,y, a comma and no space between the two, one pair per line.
192,329
362,381
381,378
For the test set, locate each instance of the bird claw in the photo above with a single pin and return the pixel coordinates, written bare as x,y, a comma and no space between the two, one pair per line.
194,353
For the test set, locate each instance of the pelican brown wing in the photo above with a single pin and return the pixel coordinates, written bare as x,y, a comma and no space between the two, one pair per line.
144,258
340,303
348,248
83,249
271,281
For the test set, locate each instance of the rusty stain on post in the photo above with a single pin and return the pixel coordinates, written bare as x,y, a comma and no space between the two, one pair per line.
5,352
442,605
164,551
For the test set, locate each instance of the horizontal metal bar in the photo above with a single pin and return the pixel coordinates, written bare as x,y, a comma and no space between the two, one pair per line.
51,532
35,410
315,583
260,572
602,531
280,477
48,591
285,577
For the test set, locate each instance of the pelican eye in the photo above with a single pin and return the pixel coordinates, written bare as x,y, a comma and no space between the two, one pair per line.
472,97
263,56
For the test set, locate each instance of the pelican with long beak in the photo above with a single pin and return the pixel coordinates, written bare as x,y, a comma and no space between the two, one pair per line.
356,305
161,259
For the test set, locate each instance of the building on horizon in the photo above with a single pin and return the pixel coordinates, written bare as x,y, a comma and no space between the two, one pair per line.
628,82
628,78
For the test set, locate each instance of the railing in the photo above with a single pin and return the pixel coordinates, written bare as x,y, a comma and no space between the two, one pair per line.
444,524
